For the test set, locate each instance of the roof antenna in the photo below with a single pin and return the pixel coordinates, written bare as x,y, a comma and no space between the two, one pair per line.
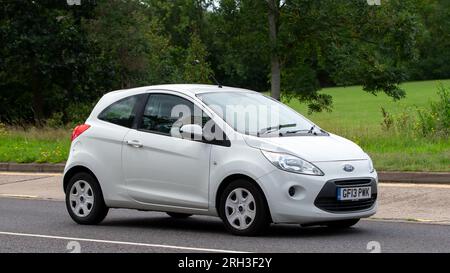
195,62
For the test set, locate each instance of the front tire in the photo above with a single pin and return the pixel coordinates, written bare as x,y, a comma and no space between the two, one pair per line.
84,200
243,209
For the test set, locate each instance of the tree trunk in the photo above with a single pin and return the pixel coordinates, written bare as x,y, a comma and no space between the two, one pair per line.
275,79
38,102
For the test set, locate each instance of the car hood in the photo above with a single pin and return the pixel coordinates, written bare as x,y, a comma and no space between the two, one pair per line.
310,148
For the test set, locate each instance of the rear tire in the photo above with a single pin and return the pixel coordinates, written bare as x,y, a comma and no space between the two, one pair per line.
84,200
342,224
178,215
243,209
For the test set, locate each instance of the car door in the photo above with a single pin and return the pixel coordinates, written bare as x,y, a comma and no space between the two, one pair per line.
160,167
105,140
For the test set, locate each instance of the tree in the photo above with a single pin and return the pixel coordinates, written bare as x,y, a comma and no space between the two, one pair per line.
434,44
196,69
238,43
43,56
55,56
345,42
132,43
299,46
273,15
186,27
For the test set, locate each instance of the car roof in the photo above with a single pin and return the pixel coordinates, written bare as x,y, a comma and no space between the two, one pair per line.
189,89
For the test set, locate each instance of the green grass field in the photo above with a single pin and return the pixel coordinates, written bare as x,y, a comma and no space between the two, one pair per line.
356,115
354,108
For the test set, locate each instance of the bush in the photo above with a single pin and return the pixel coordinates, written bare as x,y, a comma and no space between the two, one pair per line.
424,122
388,120
77,113
436,120
55,121
2,129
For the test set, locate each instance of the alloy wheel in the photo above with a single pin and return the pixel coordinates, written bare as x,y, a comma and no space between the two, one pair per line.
240,208
81,198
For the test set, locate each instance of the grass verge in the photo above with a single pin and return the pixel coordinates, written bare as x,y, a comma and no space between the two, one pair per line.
44,145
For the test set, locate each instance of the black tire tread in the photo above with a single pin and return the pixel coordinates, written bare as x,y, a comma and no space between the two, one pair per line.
262,219
99,211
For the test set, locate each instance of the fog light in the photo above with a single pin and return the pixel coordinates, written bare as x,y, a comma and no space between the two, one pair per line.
291,191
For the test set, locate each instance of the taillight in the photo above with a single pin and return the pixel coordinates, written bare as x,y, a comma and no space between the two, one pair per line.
79,130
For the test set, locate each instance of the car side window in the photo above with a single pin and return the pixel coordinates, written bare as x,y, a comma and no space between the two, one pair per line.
120,112
165,114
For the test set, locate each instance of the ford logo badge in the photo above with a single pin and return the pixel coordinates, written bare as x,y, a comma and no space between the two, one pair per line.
348,168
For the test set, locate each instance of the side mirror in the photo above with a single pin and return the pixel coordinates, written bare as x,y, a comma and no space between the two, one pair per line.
191,131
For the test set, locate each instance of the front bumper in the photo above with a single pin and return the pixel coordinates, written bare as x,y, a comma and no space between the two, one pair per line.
314,200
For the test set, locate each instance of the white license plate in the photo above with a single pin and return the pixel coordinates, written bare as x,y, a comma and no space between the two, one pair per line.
354,193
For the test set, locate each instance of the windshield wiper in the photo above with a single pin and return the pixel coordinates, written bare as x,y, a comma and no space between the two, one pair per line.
310,131
272,128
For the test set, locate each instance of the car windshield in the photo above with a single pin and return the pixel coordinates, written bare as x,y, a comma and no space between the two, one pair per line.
255,114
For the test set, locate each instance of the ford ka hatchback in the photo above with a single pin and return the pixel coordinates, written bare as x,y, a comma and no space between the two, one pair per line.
219,151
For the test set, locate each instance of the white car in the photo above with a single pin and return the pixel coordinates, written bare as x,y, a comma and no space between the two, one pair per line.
213,150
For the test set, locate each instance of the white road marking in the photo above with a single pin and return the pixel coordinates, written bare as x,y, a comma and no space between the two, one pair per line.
119,242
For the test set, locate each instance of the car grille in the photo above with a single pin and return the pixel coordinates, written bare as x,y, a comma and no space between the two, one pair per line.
326,199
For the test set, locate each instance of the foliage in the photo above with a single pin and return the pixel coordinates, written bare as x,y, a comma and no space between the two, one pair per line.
196,69
388,121
130,43
44,57
78,113
2,129
347,43
55,121
432,121
434,56
239,47
435,121
54,56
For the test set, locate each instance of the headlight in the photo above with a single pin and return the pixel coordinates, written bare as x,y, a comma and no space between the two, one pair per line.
291,163
371,168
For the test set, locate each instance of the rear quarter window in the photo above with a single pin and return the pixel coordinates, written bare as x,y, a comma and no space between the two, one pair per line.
120,112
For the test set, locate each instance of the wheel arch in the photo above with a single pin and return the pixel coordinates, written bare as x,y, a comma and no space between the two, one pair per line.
77,169
227,180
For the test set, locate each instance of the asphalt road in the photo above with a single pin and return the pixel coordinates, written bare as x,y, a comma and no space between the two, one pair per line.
44,226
